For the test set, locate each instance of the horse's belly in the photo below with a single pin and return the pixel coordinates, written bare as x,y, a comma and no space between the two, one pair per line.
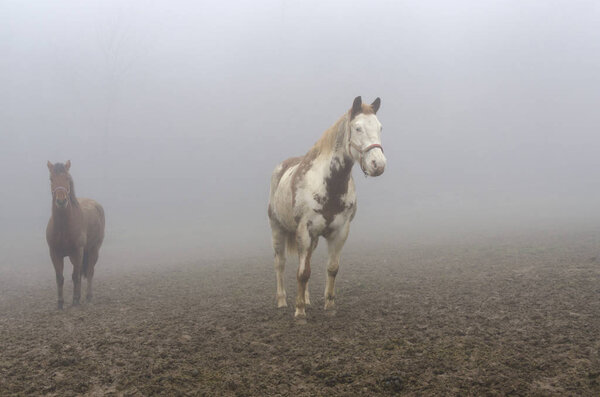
94,220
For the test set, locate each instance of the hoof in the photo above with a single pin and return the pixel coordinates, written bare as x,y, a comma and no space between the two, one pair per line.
88,299
281,301
75,302
300,320
329,304
300,317
60,305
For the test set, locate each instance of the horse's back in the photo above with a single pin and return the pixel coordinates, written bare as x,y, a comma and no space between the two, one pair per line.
281,169
93,215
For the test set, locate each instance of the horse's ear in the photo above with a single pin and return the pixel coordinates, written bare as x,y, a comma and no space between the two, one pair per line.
68,165
50,166
356,107
375,105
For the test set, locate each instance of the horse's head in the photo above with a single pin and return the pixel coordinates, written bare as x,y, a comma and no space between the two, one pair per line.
60,183
364,137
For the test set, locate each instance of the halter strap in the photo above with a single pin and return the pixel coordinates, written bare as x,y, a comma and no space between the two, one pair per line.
373,146
61,188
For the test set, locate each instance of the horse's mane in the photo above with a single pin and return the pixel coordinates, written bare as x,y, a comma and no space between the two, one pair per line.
334,136
59,168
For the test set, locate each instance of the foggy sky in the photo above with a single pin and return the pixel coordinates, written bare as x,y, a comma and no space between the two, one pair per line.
175,113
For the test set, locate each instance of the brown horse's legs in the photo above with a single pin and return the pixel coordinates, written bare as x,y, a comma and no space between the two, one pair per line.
76,260
59,264
335,242
92,258
306,245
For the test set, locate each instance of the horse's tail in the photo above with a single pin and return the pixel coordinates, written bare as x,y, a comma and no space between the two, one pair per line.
291,245
85,265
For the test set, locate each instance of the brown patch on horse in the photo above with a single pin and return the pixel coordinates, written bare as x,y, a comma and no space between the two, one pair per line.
336,186
305,275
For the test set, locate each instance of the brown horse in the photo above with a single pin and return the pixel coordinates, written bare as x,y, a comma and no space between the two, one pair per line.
75,229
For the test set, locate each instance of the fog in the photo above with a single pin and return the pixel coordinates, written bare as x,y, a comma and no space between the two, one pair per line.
174,115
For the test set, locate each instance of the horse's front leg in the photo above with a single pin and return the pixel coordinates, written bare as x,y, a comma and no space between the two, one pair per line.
76,260
59,263
306,295
335,243
306,246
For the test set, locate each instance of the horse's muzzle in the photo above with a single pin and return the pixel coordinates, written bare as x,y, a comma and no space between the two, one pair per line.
374,163
377,170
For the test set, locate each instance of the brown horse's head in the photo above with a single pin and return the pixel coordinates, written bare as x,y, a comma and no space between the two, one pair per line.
61,184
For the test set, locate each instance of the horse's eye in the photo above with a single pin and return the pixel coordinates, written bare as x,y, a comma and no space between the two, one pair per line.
358,129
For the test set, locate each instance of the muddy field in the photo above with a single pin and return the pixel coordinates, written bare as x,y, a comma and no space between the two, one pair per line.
499,317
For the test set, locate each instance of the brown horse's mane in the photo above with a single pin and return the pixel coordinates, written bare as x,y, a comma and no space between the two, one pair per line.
59,168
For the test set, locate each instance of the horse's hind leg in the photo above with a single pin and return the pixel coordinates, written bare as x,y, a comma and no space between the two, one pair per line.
279,241
59,264
91,259
335,243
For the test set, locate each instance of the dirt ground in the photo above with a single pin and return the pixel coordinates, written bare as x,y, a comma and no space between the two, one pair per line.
499,317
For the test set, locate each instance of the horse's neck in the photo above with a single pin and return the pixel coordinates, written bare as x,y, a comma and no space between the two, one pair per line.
340,157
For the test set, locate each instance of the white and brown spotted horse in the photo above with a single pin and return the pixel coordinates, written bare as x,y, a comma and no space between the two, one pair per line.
314,196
